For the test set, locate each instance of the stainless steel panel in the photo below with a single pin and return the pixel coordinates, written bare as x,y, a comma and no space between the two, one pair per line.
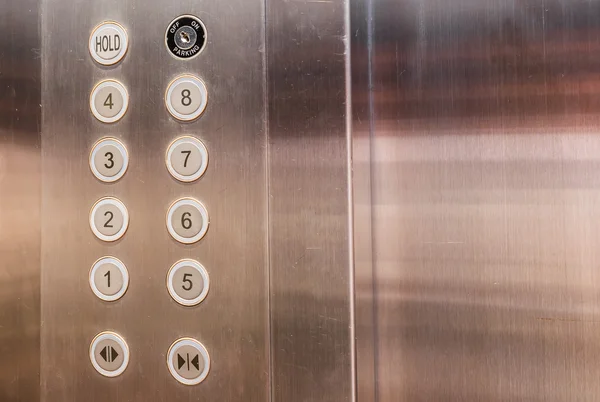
233,321
20,187
484,162
310,239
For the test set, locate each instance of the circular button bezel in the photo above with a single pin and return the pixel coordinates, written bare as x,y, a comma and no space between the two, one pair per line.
200,348
121,207
194,142
121,267
192,79
170,37
205,222
118,339
124,153
118,27
203,273
119,87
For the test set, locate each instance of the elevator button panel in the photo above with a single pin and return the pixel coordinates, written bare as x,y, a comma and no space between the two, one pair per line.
187,282
109,279
187,220
109,160
108,43
109,354
109,219
188,361
109,101
186,97
187,159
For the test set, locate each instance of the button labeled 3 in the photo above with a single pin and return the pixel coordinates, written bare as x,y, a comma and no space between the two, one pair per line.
188,361
187,220
186,98
187,159
109,354
109,279
109,160
187,282
109,101
109,219
108,43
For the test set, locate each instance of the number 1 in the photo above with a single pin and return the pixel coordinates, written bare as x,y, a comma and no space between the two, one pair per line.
107,275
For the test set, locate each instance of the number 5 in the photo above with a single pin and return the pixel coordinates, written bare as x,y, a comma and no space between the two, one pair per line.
187,281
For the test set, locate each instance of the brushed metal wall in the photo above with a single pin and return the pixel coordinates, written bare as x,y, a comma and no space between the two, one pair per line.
20,189
233,320
477,278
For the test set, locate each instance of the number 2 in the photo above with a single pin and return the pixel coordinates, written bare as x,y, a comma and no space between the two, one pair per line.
109,102
187,281
107,223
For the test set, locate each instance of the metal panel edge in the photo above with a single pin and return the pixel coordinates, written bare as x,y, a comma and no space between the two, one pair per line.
310,236
20,187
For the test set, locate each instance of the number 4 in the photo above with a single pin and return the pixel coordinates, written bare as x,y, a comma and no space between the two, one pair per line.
109,102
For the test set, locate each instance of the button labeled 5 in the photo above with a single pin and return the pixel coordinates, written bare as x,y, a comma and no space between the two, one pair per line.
187,282
109,101
109,160
186,97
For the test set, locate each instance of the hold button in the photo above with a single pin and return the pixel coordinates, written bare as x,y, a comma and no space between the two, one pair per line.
108,43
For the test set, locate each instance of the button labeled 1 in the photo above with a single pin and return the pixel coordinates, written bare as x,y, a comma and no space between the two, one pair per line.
187,221
109,160
108,43
109,101
188,361
109,354
187,282
109,279
186,98
187,159
109,219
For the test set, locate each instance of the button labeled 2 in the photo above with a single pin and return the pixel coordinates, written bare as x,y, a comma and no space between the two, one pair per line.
188,361
187,220
109,160
109,219
187,159
186,97
109,101
109,279
187,282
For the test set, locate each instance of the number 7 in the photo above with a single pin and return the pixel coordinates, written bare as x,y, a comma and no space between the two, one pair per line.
187,157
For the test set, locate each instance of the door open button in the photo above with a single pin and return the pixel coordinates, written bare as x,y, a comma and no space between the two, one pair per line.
109,354
188,361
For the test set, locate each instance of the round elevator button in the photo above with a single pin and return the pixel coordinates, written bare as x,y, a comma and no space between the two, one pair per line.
187,159
187,220
109,354
188,361
109,101
187,282
109,160
109,279
108,43
109,219
186,98
185,37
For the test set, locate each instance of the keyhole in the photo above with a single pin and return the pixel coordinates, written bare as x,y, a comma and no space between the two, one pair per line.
185,38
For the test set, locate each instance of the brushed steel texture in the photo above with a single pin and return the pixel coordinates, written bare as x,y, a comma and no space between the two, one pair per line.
485,193
309,189
233,320
20,187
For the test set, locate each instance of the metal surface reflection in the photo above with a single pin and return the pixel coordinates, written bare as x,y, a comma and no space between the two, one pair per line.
20,184
482,164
